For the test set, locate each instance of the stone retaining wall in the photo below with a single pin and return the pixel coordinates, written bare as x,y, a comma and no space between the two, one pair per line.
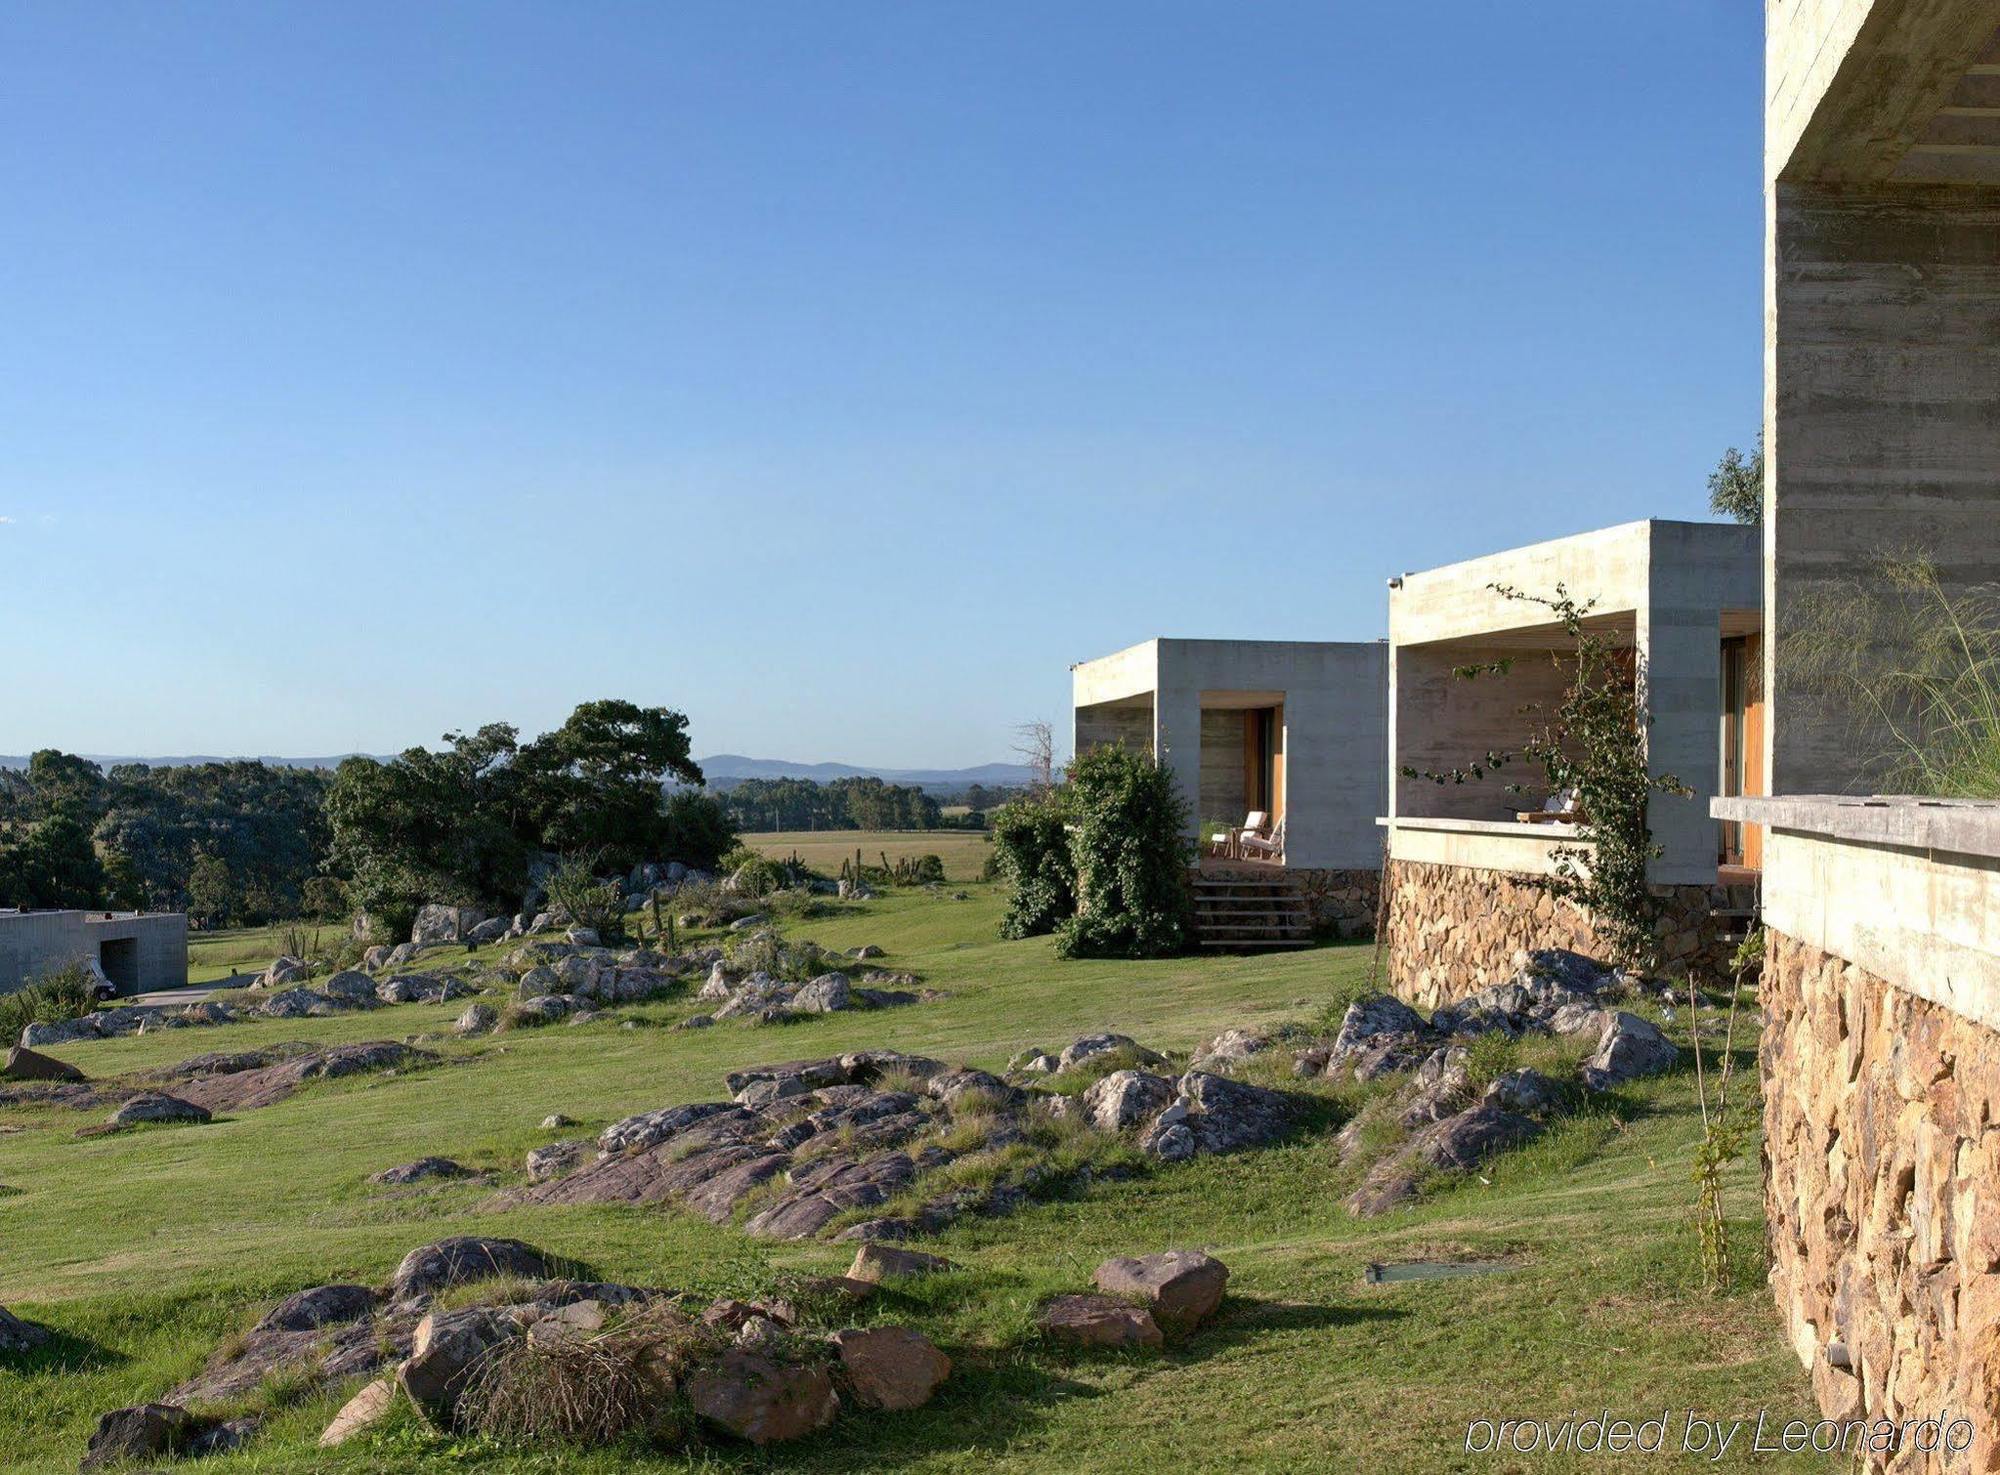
1344,902
1454,930
1882,1173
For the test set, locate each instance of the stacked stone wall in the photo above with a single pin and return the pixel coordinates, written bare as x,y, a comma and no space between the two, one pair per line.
1882,1197
1454,930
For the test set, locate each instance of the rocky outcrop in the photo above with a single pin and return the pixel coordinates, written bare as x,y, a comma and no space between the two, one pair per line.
1098,1323
825,1140
23,1064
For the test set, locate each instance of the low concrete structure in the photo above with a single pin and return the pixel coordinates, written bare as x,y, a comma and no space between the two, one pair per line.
136,952
1294,728
1881,1070
1465,875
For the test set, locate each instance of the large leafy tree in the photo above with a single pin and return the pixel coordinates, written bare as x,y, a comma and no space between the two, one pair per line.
595,784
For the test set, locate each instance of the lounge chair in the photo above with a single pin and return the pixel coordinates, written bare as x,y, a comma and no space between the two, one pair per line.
1557,809
1253,846
1227,840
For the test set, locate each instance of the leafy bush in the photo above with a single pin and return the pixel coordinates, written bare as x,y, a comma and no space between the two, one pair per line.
696,828
1031,854
1131,855
1488,1057
50,999
575,891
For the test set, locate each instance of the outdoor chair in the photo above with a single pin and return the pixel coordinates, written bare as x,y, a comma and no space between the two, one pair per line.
1254,846
1227,843
1557,809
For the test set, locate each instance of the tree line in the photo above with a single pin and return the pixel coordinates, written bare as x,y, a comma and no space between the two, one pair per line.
762,804
475,822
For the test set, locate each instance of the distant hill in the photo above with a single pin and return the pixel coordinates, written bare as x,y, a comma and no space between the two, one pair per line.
109,760
726,770
723,770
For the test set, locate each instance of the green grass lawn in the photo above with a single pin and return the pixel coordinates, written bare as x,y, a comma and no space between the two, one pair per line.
233,950
145,1250
963,852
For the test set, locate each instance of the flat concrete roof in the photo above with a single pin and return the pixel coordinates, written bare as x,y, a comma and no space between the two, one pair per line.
1910,821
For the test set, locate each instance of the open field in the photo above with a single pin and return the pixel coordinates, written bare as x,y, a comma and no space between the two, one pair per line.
145,1250
232,950
963,852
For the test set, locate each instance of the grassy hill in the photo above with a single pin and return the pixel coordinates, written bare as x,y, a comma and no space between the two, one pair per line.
145,1250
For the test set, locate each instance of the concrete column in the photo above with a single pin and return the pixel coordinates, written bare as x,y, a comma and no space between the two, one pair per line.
1882,428
1680,664
1177,741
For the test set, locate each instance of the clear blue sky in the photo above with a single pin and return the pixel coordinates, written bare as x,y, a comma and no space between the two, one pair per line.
835,373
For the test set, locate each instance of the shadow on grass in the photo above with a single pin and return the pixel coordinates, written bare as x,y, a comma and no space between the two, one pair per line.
1241,1321
62,1354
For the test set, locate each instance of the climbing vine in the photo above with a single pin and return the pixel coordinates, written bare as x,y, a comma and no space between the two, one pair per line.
1592,747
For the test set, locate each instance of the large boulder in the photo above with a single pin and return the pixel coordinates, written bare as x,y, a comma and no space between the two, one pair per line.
1630,1047
327,1305
875,1263
24,1064
760,1399
431,1268
478,1019
890,1367
142,1432
285,970
59,1032
368,1407
826,994
449,1350
1091,1046
1125,1099
1225,1115
156,1106
293,1003
420,1170
1181,1288
437,925
556,1160
1098,1322
493,929
350,986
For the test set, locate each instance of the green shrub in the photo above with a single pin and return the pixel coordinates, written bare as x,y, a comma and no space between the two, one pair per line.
1488,1057
1031,854
50,999
1131,855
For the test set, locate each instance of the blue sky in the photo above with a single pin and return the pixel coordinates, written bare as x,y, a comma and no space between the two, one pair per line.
837,374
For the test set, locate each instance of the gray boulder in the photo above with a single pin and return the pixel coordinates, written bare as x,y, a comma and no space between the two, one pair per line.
284,971
557,1160
23,1064
420,1170
17,1336
1376,1015
1090,1046
438,925
476,1020
59,1032
157,1106
1125,1099
1231,1047
1629,1048
465,1258
826,994
448,1350
493,929
351,986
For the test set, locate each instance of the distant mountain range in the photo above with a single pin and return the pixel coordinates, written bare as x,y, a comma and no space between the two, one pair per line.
723,770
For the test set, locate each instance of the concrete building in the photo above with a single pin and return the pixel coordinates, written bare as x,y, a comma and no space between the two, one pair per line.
1881,987
1295,729
1467,866
136,952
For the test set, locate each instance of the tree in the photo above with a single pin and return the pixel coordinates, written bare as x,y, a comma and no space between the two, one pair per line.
595,783
1035,745
211,892
1736,486
1130,848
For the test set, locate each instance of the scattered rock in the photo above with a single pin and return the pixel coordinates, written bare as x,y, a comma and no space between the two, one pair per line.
890,1367
449,1348
1098,1322
17,1336
556,1121
826,994
1231,1047
157,1106
756,1398
1181,1288
437,926
284,971
59,1032
876,1262
476,1020
1526,1091
427,1270
327,1305
554,1161
367,1407
421,1169
141,1432
1093,1045
24,1064
350,985
1629,1048
1124,1099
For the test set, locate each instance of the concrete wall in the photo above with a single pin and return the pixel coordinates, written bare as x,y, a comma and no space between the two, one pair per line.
1222,796
1882,333
1444,721
1335,696
35,943
1125,724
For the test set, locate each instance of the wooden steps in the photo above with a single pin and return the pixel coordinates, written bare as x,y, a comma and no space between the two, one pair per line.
1247,913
